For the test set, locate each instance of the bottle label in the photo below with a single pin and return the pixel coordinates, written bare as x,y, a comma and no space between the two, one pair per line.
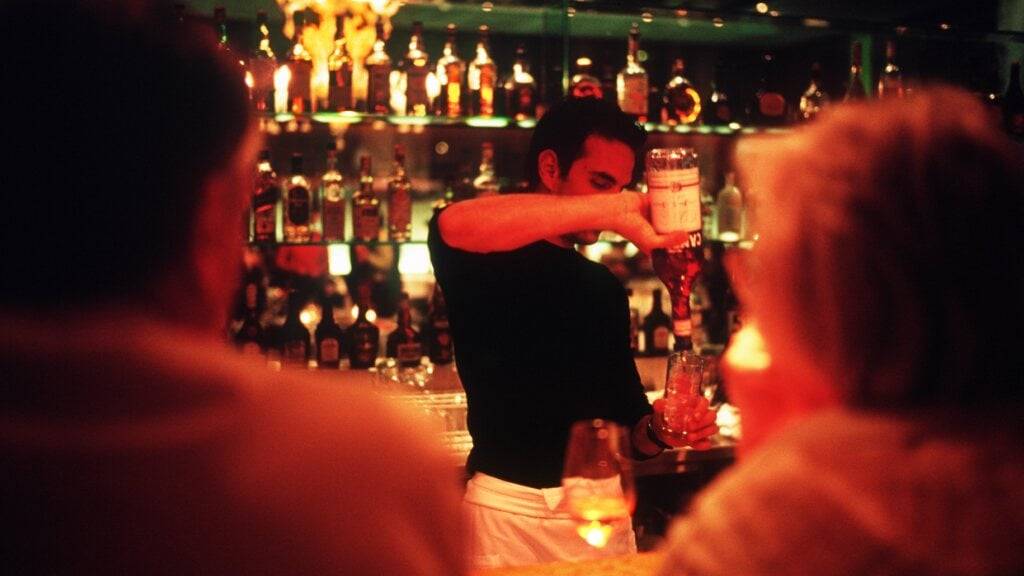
634,96
486,92
660,338
410,353
367,225
399,211
416,99
329,350
298,205
453,91
771,105
340,89
334,220
379,91
302,73
675,200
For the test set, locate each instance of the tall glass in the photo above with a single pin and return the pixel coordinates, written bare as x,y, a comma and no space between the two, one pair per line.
682,388
598,479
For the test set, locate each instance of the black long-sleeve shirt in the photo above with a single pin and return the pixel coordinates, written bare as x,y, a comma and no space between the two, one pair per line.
541,339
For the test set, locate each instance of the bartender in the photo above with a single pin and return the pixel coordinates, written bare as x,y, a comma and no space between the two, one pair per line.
542,334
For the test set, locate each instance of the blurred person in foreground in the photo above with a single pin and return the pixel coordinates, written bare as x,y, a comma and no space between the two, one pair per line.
882,410
541,334
133,440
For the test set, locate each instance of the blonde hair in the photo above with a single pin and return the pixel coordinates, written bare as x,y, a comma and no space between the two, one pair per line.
889,252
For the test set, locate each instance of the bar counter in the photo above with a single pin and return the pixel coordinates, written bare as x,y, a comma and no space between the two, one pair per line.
643,564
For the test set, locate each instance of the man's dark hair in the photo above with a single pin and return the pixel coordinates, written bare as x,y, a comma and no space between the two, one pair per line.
566,126
114,118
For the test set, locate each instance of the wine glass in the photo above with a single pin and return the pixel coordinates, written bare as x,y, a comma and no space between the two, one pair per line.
682,384
598,479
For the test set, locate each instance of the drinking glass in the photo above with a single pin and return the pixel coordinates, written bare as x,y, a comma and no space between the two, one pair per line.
598,479
682,385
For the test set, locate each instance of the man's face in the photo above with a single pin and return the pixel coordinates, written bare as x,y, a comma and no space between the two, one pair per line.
604,167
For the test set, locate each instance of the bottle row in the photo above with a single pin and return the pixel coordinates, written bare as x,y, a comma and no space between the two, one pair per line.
339,339
310,78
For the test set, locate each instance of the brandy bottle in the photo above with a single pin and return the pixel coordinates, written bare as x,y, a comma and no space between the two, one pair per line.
399,200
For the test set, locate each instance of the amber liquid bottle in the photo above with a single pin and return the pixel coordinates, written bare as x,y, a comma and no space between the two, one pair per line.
678,269
339,69
415,68
404,343
378,70
365,206
520,88
262,66
399,200
265,200
329,339
332,192
450,72
300,63
483,77
680,101
363,335
298,204
437,331
632,84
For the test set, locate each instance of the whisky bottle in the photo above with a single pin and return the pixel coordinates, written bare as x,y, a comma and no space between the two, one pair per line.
583,83
890,82
1013,104
363,335
450,70
262,66
415,69
656,326
483,77
632,84
399,200
300,64
520,88
486,182
265,201
719,109
404,344
729,211
437,331
295,341
298,204
332,192
378,70
855,84
814,99
365,206
678,268
329,338
680,102
250,336
769,107
339,71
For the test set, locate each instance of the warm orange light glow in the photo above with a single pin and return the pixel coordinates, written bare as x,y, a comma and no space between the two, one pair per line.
595,533
282,78
747,351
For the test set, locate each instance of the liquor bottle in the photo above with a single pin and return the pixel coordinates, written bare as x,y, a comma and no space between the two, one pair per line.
265,201
483,77
250,337
1013,104
298,204
294,337
678,268
680,101
656,326
415,69
855,84
632,84
520,88
365,205
890,82
583,83
262,66
719,110
329,338
729,211
378,70
486,182
634,324
769,107
300,64
339,70
220,20
404,343
814,99
437,331
399,200
332,193
363,335
450,70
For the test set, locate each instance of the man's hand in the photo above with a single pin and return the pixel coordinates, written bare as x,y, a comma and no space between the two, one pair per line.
690,414
634,224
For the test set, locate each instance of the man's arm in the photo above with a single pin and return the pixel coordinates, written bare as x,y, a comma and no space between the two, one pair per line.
507,222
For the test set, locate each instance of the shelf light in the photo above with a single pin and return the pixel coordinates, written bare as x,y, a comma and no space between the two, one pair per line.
414,259
337,117
528,123
761,8
483,122
339,261
409,120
